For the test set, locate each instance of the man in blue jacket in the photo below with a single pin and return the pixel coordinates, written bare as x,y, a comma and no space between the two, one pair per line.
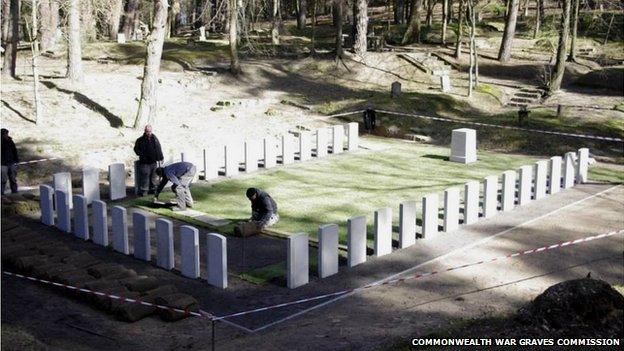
181,174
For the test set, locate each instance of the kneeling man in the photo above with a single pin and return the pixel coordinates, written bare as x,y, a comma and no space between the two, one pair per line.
263,208
181,174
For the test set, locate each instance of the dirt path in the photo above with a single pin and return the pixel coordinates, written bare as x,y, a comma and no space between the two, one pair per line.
368,319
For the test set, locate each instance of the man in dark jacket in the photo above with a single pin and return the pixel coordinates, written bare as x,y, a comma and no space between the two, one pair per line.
9,161
263,208
181,174
147,147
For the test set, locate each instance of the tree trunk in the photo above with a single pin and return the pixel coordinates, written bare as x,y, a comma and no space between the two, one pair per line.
312,39
276,23
504,53
412,34
233,13
10,51
473,48
444,19
360,45
88,21
128,19
301,14
339,19
557,76
74,53
430,6
115,17
460,30
575,18
6,20
398,8
49,20
34,45
148,105
538,17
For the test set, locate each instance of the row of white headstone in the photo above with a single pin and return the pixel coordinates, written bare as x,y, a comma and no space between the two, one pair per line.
266,152
534,182
142,249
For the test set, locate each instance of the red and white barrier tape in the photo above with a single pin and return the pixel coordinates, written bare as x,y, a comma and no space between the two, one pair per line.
319,297
39,160
584,136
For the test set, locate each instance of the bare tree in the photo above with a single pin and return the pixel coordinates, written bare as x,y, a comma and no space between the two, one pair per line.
398,10
6,20
11,41
474,63
412,34
313,25
538,17
444,19
148,105
49,20
575,19
235,67
557,76
504,54
74,51
360,45
131,9
276,23
114,19
301,14
339,19
34,47
460,29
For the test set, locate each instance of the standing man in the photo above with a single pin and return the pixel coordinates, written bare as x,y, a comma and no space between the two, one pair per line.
147,147
9,161
181,174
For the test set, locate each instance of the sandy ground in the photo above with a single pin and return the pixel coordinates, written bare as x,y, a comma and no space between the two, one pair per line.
365,320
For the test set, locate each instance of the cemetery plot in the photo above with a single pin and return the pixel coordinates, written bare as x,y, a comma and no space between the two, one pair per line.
332,190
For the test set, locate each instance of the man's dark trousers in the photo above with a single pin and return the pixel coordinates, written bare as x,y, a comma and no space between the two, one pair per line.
148,178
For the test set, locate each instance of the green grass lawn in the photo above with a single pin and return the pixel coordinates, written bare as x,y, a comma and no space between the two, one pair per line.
333,189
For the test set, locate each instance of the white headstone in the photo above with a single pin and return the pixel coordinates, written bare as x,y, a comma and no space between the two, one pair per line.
509,191
490,196
269,146
164,243
213,161
354,137
445,83
91,184
464,145
142,239
327,250
298,261
217,260
305,146
524,188
63,212
337,139
451,209
582,165
100,223
189,251
383,231
288,149
541,168
251,156
62,181
117,181
231,160
555,175
202,33
119,217
121,38
407,224
321,142
430,208
568,170
471,202
81,217
356,240
46,203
